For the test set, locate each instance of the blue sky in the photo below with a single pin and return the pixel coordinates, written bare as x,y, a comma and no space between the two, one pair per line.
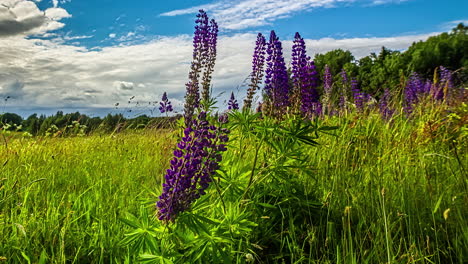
89,55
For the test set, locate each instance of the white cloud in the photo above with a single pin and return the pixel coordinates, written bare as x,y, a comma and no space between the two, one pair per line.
122,85
112,35
234,15
383,2
20,17
43,73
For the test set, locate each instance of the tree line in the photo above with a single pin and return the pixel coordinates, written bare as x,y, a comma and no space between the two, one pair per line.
77,123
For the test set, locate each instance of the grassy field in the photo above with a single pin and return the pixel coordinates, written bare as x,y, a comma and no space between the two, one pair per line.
375,192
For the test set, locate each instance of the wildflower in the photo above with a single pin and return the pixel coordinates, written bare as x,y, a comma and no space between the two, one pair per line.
258,61
212,37
413,92
165,104
232,104
195,160
203,59
304,78
276,78
343,97
327,88
385,111
359,97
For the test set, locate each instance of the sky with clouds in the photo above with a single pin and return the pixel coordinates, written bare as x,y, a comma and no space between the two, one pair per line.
115,55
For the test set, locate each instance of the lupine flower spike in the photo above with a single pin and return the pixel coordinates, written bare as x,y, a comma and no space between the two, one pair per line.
195,160
165,104
256,76
232,103
276,79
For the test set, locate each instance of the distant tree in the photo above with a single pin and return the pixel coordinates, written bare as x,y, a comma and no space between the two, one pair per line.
336,60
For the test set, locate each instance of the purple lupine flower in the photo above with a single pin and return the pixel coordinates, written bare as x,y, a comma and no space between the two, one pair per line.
211,41
413,92
445,84
327,89
310,104
359,97
327,81
166,106
195,160
343,96
299,60
258,60
385,110
276,78
232,103
204,55
304,78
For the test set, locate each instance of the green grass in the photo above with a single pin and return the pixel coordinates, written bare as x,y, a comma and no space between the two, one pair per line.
377,192
61,198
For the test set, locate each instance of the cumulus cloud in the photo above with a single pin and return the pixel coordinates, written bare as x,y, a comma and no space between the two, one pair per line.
20,17
44,73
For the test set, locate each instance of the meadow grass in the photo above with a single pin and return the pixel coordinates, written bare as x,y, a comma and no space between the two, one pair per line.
61,198
376,192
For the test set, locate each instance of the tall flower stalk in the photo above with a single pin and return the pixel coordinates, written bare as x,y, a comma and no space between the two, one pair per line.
165,104
199,151
276,79
232,103
344,93
212,38
327,88
195,160
203,60
258,61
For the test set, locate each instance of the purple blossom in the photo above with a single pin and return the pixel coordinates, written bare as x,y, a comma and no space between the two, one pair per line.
414,89
343,96
327,88
210,58
195,160
232,103
276,78
385,110
165,104
203,59
359,97
304,78
443,87
258,61
310,104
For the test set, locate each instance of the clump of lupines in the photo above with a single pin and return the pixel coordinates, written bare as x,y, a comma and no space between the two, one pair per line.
195,160
203,58
258,61
276,79
304,78
165,104
232,103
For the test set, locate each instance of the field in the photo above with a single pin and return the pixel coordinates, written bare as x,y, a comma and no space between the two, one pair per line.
373,192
